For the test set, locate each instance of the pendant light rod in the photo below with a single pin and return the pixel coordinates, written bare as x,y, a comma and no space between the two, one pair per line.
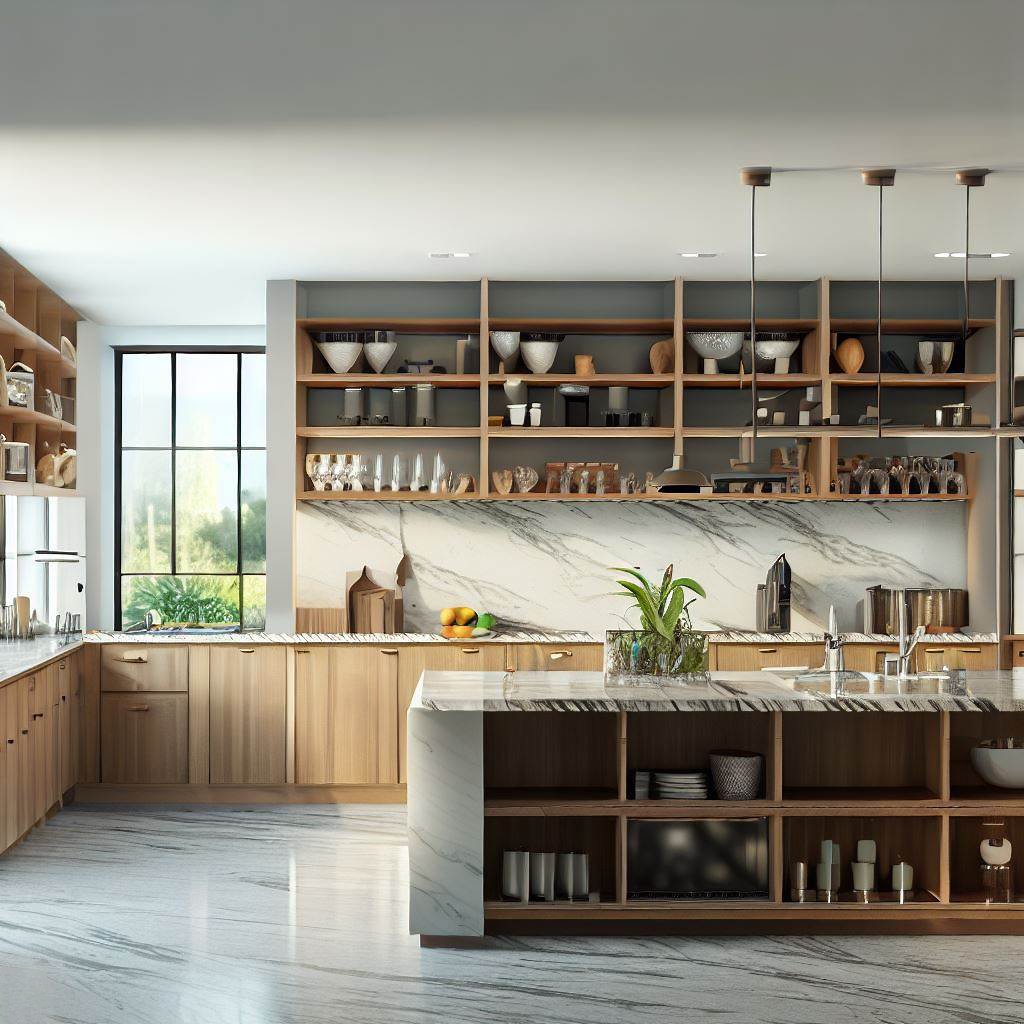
755,178
879,179
973,178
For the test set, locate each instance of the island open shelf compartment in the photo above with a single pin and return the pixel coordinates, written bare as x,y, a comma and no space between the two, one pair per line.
872,755
916,840
680,741
965,732
597,837
965,836
550,756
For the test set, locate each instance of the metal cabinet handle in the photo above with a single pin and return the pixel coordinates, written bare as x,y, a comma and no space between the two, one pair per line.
470,650
63,698
247,650
302,652
970,650
389,650
137,707
139,659
555,655
768,650
62,665
935,650
38,714
24,732
10,741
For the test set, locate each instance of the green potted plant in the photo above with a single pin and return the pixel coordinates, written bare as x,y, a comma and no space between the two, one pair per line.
666,643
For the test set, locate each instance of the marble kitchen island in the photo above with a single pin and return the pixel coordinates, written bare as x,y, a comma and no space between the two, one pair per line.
546,761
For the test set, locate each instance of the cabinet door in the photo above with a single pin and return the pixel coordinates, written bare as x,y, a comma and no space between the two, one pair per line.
412,661
144,737
8,770
748,657
53,790
346,701
26,754
248,697
68,689
932,658
558,657
134,667
866,657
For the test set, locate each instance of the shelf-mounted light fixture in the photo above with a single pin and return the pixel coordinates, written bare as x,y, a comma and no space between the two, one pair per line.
755,178
972,178
880,179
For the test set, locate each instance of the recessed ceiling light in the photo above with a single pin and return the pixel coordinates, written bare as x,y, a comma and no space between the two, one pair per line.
449,255
974,255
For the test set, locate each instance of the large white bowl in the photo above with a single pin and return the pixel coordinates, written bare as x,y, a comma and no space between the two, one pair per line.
714,345
341,356
506,345
999,767
379,353
539,355
777,350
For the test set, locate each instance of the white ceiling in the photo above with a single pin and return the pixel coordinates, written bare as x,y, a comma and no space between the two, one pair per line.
163,158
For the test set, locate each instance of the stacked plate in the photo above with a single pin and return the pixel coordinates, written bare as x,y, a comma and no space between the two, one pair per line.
679,785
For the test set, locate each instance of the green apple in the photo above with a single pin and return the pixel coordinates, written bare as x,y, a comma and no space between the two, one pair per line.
486,621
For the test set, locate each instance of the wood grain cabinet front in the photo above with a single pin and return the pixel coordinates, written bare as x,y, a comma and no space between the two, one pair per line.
69,692
11,740
144,737
148,667
936,657
750,657
440,657
559,657
248,715
346,710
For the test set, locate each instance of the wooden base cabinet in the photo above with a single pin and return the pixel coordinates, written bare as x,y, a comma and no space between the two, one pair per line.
346,715
144,737
443,658
248,715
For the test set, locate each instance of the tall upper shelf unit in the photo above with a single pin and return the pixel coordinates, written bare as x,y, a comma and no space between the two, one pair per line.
702,418
38,329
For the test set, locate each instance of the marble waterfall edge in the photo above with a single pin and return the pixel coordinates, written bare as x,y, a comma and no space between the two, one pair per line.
544,566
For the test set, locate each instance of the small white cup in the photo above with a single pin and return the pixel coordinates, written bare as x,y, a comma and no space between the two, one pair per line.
517,415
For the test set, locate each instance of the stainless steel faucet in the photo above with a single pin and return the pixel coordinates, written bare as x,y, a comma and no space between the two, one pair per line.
834,658
907,643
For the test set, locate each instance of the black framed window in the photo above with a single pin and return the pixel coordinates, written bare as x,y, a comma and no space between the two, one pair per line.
191,487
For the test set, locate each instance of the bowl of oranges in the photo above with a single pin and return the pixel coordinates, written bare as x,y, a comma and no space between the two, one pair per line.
465,623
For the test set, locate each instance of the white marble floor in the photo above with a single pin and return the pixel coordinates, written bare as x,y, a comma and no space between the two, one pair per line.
276,915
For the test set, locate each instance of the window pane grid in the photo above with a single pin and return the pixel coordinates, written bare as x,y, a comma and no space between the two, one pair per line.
217,503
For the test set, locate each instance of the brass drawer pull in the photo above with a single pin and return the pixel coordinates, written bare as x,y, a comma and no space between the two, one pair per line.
768,650
470,650
137,707
302,652
62,665
970,650
935,650
556,655
389,650
247,650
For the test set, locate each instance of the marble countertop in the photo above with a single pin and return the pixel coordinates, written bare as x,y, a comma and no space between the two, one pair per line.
723,691
509,637
19,657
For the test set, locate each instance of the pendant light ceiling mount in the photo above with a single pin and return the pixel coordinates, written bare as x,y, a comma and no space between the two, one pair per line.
758,177
879,177
973,177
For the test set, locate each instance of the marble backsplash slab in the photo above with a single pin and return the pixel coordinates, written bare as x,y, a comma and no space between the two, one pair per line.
540,565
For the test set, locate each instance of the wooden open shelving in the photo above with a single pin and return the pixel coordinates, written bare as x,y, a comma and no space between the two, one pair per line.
565,781
33,319
695,415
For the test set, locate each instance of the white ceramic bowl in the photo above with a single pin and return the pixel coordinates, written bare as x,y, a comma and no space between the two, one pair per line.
379,353
341,356
999,767
539,355
715,344
506,346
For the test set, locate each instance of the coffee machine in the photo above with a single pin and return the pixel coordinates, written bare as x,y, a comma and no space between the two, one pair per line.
773,598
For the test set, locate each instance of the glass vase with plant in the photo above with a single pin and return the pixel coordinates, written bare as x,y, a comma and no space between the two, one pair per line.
666,643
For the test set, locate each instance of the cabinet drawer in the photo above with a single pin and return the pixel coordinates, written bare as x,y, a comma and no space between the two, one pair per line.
867,657
133,667
144,739
559,657
747,657
935,657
